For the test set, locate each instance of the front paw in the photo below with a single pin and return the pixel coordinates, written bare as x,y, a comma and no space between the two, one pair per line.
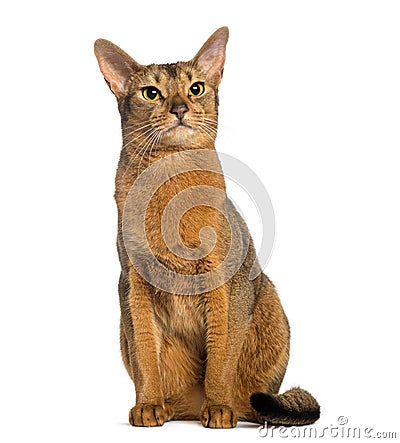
144,414
217,416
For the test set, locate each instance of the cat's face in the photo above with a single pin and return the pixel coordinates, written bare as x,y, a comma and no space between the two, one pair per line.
177,102
166,106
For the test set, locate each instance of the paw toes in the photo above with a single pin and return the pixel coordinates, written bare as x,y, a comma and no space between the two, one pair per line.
160,415
149,415
218,417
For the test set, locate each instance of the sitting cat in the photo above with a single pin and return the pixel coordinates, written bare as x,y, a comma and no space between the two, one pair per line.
198,340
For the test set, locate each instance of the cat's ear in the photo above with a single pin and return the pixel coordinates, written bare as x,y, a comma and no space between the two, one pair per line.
211,57
116,66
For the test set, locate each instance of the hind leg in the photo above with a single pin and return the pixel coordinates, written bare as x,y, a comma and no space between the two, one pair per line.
265,352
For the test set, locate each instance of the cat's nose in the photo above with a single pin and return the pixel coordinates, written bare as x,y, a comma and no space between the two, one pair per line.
179,109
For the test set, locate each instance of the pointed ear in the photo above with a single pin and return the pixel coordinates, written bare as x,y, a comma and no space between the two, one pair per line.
211,57
116,66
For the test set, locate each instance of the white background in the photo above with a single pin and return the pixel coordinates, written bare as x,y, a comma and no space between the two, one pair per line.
310,100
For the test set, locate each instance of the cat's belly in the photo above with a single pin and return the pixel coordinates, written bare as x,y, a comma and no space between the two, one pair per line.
180,322
181,316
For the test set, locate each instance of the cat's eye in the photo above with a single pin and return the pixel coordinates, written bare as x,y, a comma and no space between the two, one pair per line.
151,93
196,89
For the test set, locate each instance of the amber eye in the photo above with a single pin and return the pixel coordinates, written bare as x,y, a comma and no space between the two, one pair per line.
151,93
196,89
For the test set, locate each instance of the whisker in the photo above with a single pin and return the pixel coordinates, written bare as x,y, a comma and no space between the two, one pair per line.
209,114
157,140
212,129
152,138
137,137
205,131
137,129
141,149
139,122
210,120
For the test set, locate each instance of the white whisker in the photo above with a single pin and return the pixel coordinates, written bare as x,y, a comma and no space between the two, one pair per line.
205,130
157,140
149,130
140,150
152,137
137,129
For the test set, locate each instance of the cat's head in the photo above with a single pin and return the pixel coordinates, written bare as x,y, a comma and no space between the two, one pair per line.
168,105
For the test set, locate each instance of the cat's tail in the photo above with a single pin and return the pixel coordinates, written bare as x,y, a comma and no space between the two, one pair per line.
292,408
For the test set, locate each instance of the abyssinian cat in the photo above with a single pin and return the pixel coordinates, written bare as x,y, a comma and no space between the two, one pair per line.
199,342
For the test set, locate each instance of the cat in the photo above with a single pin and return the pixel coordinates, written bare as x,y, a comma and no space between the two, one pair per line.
213,349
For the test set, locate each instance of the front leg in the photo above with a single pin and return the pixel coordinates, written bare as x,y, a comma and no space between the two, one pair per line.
143,348
222,357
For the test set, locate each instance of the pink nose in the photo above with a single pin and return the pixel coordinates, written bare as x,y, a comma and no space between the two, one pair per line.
179,109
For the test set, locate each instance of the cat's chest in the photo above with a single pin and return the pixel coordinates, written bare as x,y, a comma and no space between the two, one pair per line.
170,216
182,316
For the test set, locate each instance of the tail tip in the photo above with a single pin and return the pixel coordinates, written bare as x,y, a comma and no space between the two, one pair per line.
263,403
295,407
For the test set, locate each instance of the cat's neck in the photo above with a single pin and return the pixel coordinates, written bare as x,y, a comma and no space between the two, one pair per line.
134,160
183,159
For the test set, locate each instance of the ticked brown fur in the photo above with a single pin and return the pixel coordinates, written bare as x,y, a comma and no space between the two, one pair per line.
202,355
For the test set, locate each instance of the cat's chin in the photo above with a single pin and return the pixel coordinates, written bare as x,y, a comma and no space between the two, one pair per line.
178,135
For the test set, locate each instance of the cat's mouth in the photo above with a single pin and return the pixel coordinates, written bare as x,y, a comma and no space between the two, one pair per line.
181,125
